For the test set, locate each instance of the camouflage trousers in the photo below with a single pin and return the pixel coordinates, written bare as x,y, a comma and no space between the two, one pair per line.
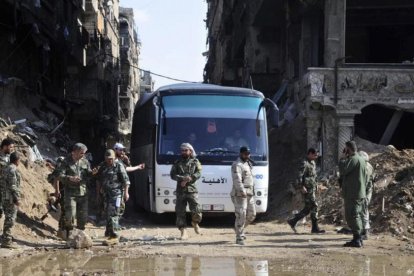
311,207
113,207
365,210
245,211
10,214
353,214
181,208
76,206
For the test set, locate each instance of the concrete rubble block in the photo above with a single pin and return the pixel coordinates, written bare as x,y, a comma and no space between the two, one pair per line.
78,239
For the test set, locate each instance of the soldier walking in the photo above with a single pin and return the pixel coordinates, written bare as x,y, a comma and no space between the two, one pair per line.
6,148
306,182
114,182
186,171
242,194
11,199
352,169
369,189
74,173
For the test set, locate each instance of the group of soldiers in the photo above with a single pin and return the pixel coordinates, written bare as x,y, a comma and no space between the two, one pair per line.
72,173
356,180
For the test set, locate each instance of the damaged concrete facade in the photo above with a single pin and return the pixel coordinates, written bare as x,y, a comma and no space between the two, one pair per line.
70,58
345,66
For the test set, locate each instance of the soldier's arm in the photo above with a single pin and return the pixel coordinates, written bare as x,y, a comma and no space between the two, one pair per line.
347,165
13,185
301,173
237,174
174,173
197,172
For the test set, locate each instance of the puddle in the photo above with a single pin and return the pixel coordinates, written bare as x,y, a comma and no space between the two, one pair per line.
81,263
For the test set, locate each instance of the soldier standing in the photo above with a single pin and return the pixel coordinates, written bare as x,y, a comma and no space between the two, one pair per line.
242,194
114,183
11,199
186,171
74,173
352,169
306,182
6,148
369,189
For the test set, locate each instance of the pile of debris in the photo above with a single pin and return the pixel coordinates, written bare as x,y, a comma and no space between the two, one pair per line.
40,144
392,204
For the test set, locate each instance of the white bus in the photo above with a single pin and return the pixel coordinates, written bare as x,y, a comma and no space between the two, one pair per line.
217,120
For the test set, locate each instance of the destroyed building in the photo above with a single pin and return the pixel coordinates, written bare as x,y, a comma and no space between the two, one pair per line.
77,60
344,66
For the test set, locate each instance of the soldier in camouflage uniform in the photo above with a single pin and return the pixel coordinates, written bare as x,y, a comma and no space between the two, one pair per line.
114,182
242,194
11,199
6,149
186,171
369,189
74,173
306,182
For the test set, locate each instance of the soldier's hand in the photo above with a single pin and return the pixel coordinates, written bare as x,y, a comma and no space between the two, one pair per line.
142,166
243,194
95,171
17,203
187,178
304,190
183,183
57,194
74,179
126,197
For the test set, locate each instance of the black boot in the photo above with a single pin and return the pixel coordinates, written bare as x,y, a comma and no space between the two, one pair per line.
292,223
315,227
356,241
364,234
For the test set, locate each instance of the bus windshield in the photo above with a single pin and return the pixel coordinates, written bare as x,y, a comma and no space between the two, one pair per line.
216,131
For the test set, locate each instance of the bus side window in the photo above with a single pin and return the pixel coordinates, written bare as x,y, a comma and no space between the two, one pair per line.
168,146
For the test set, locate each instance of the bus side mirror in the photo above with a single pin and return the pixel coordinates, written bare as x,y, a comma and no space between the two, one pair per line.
273,114
154,114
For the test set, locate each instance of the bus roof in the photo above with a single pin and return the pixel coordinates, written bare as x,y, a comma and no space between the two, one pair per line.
201,88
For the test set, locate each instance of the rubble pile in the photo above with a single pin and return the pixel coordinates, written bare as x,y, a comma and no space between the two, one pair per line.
391,207
40,144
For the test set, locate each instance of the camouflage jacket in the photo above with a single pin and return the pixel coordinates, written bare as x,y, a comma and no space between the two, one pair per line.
11,184
242,178
307,175
186,167
4,163
113,179
69,168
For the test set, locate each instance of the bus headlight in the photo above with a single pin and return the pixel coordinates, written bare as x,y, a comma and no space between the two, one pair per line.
258,202
166,201
166,192
259,193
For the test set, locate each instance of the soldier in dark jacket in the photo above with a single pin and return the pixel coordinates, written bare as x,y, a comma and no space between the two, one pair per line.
352,169
186,171
306,183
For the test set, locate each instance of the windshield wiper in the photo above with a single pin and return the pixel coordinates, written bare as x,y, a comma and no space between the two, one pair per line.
218,150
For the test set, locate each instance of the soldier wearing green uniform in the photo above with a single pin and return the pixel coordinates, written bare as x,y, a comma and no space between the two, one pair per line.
74,173
11,199
6,149
114,183
186,171
352,169
306,182
242,194
370,187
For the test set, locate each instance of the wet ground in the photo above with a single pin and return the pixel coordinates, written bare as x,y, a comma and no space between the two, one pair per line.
149,247
70,262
